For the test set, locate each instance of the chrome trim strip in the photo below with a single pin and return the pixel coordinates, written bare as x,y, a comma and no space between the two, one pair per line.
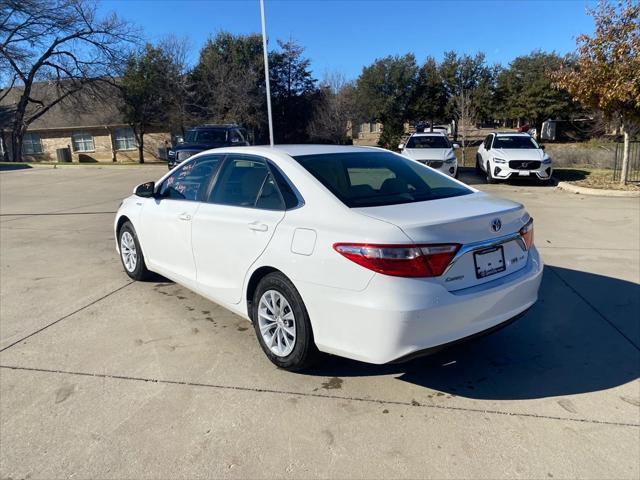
470,247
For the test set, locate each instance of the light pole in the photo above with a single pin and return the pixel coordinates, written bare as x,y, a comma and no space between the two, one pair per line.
266,71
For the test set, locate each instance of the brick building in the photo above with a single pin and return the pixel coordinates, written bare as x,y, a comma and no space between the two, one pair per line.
89,124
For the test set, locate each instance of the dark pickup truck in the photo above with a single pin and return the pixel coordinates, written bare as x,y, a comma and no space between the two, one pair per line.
206,137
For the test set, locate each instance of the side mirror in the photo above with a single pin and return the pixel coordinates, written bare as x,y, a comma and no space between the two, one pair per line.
145,190
400,146
235,140
456,146
541,147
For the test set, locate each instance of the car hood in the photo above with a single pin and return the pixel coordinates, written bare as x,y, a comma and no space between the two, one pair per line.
519,154
422,154
196,146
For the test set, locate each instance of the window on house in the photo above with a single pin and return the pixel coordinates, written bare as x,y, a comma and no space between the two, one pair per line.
124,139
82,142
374,127
31,144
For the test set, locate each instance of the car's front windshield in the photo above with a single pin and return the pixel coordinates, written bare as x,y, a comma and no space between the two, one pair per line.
428,141
371,179
209,136
514,142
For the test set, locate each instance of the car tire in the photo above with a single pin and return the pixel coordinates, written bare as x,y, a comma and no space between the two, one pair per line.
131,254
490,178
277,310
478,167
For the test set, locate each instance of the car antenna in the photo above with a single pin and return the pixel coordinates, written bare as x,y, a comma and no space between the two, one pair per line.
266,71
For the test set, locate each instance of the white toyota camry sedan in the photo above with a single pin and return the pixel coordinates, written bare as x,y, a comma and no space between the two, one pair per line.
353,251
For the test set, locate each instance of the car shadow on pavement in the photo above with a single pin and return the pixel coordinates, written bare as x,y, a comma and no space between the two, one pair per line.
562,346
17,166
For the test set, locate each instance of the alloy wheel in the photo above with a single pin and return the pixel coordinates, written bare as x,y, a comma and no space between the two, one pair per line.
128,251
277,323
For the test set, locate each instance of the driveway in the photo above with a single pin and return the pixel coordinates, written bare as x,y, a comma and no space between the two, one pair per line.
104,378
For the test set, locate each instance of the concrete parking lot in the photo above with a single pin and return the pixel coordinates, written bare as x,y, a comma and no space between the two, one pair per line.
104,378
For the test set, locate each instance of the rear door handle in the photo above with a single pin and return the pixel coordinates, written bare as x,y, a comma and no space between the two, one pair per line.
258,227
184,216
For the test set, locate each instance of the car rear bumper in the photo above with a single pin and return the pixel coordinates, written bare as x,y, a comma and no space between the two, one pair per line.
395,318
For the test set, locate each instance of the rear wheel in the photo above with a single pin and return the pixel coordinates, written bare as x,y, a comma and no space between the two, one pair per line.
282,325
478,167
131,253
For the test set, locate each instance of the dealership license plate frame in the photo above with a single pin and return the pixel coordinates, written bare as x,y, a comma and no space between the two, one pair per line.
483,270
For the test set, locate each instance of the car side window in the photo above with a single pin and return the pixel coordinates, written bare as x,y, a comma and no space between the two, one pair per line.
245,181
235,137
190,180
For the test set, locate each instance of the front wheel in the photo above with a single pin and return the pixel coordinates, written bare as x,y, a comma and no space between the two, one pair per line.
478,167
282,325
131,253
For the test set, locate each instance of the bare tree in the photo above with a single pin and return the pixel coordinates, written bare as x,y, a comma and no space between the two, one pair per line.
60,42
334,111
179,98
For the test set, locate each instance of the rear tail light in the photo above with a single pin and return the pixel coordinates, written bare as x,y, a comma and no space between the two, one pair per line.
526,233
400,260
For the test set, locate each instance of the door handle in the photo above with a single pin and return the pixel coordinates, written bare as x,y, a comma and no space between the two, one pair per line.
258,227
184,216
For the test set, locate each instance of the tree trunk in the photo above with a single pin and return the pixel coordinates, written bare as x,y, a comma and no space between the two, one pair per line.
141,148
16,144
538,127
624,171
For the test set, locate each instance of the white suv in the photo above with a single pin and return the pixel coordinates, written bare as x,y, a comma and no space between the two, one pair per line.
434,150
505,155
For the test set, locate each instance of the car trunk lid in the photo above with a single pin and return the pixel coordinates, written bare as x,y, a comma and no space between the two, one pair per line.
488,252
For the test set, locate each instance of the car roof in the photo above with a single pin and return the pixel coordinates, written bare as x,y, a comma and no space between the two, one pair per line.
512,134
207,126
428,134
299,150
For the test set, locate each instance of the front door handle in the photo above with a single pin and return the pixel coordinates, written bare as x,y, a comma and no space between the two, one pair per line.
258,227
184,216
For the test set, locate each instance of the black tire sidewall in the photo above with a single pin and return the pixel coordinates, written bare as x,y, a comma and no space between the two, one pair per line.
304,351
140,272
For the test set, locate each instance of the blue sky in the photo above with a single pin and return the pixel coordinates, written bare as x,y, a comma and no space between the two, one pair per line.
346,35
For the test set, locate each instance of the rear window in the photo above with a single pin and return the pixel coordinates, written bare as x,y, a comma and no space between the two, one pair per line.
370,179
433,141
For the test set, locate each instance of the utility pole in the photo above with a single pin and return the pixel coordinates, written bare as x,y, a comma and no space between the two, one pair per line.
266,71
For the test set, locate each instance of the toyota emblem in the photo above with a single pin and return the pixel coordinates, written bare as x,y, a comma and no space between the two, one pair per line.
496,225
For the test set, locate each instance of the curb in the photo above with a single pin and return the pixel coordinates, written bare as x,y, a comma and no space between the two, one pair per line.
568,187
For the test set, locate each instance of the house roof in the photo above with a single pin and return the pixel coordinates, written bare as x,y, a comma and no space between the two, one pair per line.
94,105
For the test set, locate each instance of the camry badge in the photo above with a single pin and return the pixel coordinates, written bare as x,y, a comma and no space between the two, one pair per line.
496,224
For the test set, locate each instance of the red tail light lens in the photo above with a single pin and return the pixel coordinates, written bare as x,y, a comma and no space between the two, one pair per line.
400,260
526,233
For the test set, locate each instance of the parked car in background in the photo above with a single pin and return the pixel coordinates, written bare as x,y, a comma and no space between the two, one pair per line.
205,137
434,150
508,155
355,251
